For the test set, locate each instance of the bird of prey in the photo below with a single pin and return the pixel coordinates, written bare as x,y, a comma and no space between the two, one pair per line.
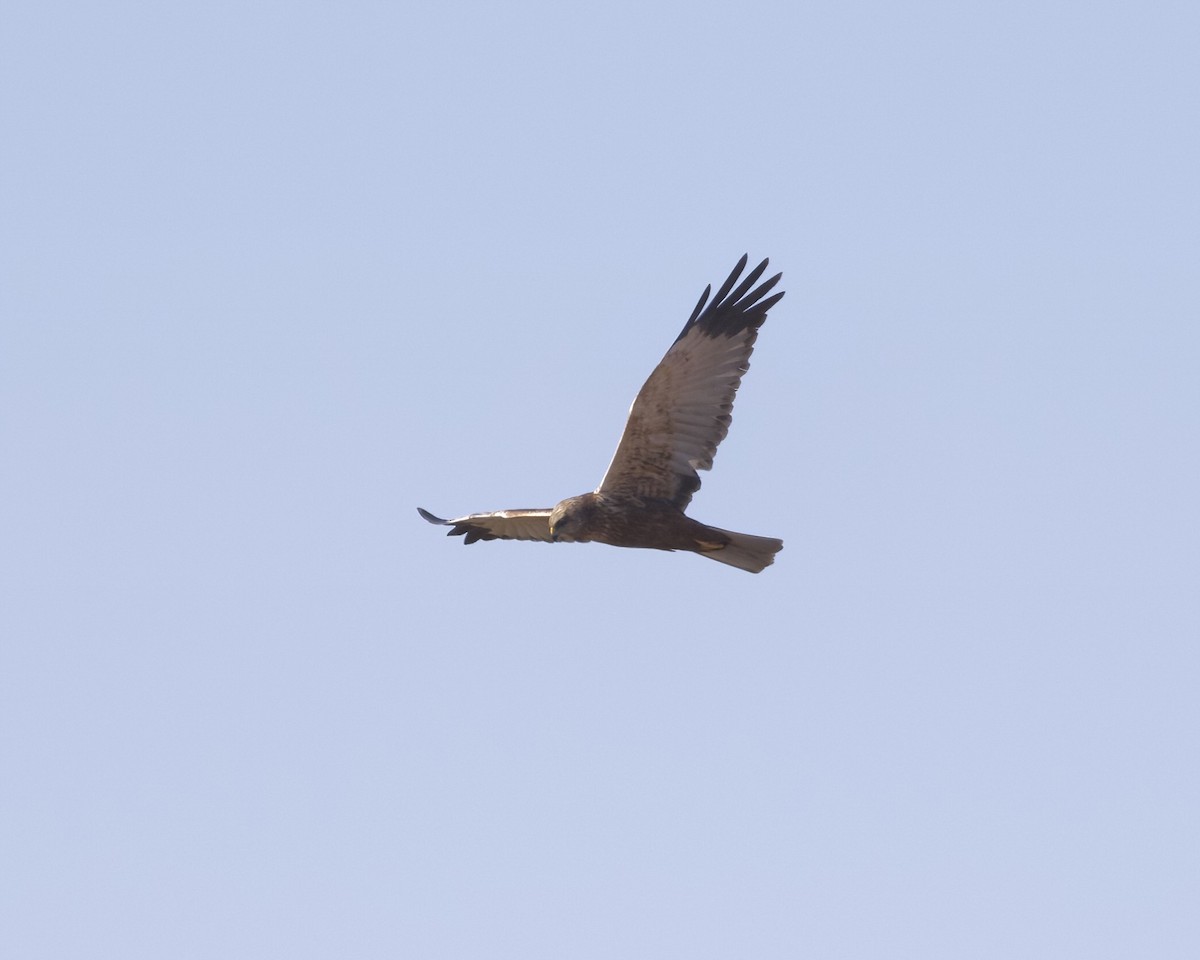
680,415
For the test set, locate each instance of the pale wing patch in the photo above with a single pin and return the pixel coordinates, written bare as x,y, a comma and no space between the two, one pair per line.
501,525
680,416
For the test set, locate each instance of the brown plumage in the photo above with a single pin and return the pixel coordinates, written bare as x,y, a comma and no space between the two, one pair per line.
676,422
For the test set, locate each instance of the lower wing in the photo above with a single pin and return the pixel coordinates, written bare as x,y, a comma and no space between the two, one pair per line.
501,525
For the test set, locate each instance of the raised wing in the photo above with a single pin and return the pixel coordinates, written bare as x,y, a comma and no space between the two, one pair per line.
683,411
501,525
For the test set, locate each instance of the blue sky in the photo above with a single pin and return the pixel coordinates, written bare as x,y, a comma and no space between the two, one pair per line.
276,274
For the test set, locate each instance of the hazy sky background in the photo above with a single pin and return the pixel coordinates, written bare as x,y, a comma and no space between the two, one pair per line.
274,274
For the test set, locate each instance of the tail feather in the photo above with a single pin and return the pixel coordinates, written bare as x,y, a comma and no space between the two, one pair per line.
746,552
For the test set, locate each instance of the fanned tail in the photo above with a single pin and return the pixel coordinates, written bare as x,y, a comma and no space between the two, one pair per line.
746,552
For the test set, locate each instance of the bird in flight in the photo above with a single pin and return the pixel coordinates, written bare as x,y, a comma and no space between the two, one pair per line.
676,422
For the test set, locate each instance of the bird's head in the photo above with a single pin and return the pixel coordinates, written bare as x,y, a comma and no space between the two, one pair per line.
567,520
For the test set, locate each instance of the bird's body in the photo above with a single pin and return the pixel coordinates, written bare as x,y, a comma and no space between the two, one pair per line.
677,420
624,520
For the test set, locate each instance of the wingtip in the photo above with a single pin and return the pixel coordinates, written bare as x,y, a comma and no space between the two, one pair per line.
425,514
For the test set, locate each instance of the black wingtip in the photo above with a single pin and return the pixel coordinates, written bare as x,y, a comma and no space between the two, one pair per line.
723,292
430,517
732,311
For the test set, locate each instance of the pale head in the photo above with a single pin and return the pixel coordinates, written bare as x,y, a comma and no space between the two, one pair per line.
568,519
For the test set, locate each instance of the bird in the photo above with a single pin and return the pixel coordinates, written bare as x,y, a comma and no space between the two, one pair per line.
679,417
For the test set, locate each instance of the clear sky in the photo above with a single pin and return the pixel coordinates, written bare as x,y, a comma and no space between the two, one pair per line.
275,274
